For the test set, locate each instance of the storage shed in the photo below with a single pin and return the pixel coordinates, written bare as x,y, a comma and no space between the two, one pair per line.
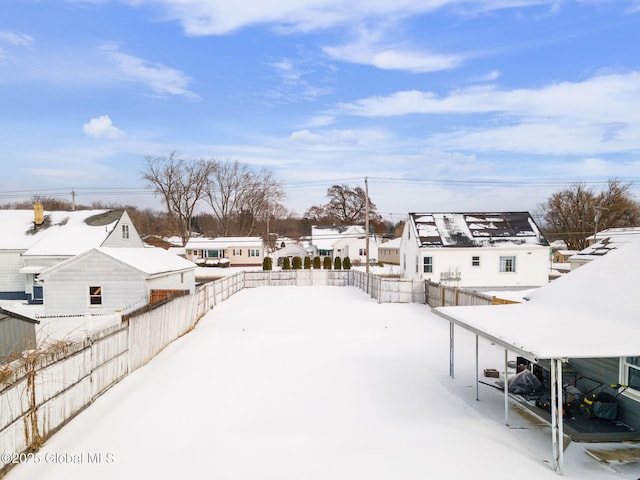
17,334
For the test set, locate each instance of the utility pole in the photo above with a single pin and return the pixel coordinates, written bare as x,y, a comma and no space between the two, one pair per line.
366,222
73,200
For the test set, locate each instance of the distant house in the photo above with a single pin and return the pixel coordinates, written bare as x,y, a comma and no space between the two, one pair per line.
17,334
103,280
35,240
289,251
389,252
226,251
352,243
323,238
343,241
476,250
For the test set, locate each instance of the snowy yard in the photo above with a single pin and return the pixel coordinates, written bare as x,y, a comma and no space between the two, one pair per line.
294,383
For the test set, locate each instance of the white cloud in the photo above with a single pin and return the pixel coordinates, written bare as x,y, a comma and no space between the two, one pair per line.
17,39
218,17
102,127
602,98
393,58
330,139
160,78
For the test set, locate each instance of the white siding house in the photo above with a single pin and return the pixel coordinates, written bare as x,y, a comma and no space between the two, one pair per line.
106,279
352,243
479,250
343,241
35,241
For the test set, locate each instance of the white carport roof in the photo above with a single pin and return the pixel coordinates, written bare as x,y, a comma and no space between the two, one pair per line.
592,312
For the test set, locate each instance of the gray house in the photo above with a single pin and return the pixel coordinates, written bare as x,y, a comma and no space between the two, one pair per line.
17,334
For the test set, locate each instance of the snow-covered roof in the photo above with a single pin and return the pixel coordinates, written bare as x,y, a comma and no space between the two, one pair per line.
150,261
63,233
395,243
289,250
476,229
590,312
223,242
324,238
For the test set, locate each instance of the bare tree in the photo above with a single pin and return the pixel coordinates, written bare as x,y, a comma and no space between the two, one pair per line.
182,184
346,206
238,194
576,212
229,184
262,201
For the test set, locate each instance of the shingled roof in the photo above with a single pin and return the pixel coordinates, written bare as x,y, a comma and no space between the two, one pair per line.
477,229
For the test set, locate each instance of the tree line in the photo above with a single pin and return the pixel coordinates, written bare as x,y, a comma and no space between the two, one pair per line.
212,198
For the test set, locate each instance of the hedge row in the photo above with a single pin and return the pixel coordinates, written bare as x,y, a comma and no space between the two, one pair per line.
298,264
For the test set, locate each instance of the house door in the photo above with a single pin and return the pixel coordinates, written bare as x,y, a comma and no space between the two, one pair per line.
37,294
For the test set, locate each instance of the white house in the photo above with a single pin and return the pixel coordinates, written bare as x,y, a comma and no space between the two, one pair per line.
478,250
343,241
234,251
290,251
106,279
352,243
34,240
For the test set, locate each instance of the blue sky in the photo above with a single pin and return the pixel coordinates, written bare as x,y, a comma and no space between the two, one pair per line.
445,105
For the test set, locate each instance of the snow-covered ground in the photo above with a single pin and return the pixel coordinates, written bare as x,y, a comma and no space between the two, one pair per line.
295,383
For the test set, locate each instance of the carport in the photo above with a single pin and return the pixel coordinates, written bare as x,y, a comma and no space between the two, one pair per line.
589,313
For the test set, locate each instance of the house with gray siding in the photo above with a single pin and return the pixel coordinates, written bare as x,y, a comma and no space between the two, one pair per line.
17,334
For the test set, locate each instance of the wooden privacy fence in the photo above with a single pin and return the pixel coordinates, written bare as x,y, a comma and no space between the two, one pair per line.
389,289
438,295
300,278
43,390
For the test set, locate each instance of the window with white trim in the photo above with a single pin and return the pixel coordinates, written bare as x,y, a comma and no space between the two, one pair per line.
507,264
237,252
125,231
254,252
427,264
475,261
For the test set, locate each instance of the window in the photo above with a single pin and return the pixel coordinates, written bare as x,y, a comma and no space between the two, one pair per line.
362,252
254,252
95,295
508,264
631,374
125,231
475,261
213,253
427,264
237,252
